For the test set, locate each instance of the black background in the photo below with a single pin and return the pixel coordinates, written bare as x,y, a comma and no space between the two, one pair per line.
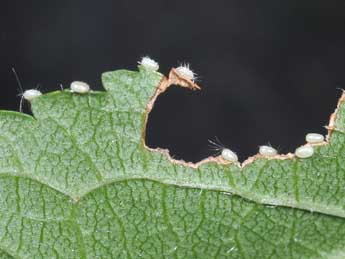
269,69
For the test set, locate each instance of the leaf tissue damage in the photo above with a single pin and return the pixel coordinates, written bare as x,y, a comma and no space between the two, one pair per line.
77,181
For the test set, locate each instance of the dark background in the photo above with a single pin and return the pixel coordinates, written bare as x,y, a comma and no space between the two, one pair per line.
269,69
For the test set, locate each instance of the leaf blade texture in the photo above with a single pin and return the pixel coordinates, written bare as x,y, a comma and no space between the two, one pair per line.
77,181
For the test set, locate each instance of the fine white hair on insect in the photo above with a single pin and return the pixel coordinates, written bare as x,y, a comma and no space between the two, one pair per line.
184,71
216,145
80,87
267,151
28,95
149,64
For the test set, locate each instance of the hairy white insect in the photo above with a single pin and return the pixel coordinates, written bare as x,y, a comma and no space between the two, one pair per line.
80,87
185,72
304,151
149,63
314,138
267,151
28,95
229,155
226,153
31,94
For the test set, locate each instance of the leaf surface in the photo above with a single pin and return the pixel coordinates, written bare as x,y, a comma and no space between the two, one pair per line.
77,181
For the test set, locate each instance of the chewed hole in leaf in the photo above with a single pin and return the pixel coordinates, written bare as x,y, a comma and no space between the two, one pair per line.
182,121
176,123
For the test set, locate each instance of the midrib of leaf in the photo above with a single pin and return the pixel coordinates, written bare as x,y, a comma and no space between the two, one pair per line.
222,186
79,206
79,234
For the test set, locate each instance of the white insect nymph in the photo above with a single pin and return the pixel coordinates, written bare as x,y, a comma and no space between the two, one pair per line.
267,151
314,138
226,153
229,155
304,151
149,63
28,95
31,94
80,87
185,72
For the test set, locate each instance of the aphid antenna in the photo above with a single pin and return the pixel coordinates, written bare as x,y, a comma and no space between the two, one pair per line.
216,145
220,143
18,81
20,89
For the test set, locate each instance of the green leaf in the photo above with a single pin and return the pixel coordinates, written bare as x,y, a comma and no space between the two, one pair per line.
77,181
